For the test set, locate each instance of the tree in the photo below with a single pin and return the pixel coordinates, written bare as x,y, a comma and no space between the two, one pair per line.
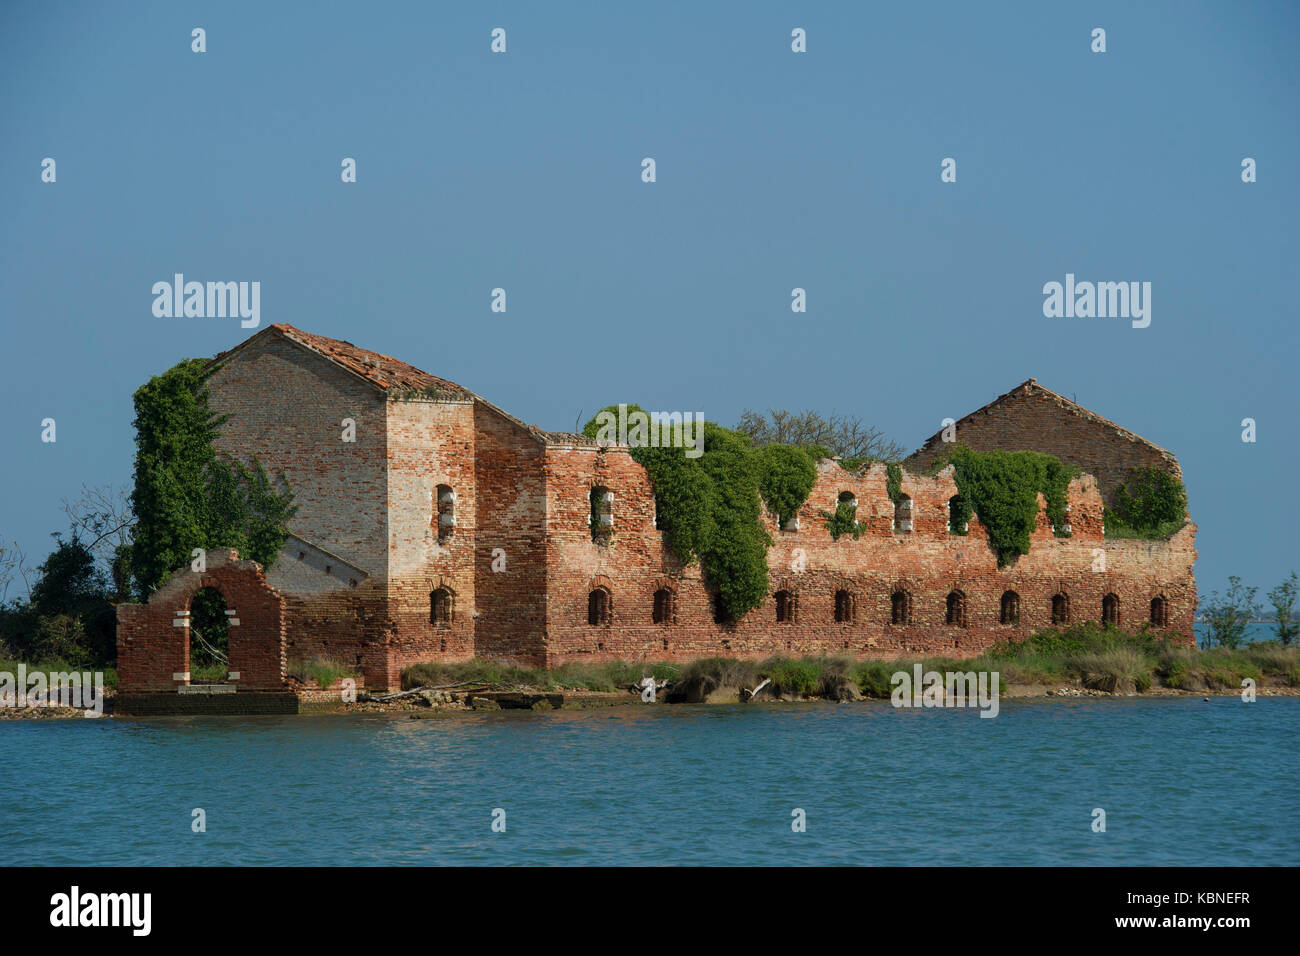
1228,615
843,435
70,616
1282,597
174,431
102,517
185,496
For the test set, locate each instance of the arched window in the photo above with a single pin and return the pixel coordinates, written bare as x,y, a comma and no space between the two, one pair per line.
664,609
1159,612
1010,612
446,511
958,515
785,607
602,514
1110,610
440,607
900,608
1060,609
843,607
598,607
846,507
956,612
903,515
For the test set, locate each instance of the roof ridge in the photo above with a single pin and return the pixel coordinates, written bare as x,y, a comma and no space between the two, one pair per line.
1031,385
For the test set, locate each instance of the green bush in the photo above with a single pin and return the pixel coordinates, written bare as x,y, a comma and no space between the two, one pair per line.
785,478
843,521
1151,504
793,678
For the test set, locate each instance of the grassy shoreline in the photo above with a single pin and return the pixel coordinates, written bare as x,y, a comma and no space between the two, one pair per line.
1097,659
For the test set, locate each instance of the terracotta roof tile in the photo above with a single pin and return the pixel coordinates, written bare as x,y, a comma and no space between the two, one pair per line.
383,371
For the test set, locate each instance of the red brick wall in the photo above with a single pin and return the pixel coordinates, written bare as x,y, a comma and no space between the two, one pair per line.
511,515
151,649
1028,419
430,444
928,563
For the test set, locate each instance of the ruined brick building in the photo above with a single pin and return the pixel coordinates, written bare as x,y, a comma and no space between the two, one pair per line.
433,525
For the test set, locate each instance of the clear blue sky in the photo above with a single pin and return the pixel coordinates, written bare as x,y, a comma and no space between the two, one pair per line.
775,170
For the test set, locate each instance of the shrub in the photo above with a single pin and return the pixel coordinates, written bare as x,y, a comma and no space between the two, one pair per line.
324,671
1151,504
793,678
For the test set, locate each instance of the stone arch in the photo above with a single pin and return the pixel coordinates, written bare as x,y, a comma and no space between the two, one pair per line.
153,639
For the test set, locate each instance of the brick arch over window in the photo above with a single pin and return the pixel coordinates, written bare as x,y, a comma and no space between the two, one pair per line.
442,606
1110,609
955,611
1009,609
600,607
153,639
787,606
1060,608
664,604
900,607
845,606
1160,611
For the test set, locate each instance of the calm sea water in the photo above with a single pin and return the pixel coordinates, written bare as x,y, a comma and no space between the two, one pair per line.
1182,782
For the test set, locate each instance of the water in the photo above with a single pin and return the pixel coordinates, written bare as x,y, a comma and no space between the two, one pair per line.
1181,781
1255,631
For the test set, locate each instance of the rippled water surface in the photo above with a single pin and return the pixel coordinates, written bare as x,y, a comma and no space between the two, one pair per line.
1182,782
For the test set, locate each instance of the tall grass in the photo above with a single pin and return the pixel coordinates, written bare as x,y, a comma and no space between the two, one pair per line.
56,666
1102,658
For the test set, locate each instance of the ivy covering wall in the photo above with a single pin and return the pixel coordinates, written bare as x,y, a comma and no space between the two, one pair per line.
710,507
1001,488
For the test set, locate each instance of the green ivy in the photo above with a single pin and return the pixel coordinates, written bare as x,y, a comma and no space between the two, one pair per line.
894,481
710,507
786,476
1151,504
1002,488
844,521
959,513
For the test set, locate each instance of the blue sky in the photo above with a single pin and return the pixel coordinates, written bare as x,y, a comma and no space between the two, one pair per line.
775,170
